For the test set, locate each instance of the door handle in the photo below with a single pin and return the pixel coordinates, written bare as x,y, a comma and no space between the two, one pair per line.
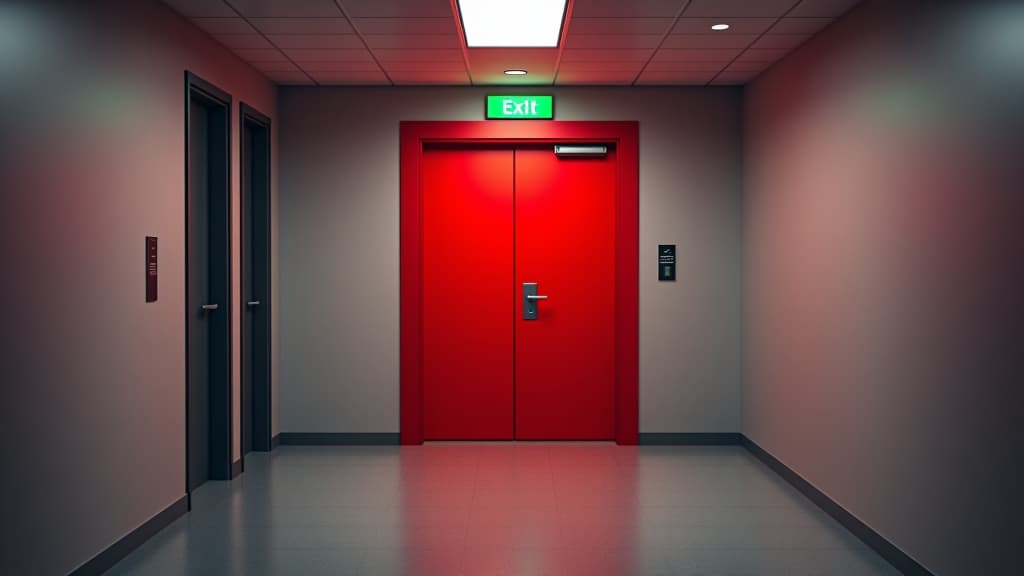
252,303
530,299
210,306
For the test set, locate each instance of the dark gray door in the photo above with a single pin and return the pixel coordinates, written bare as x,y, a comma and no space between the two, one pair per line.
208,304
255,183
199,332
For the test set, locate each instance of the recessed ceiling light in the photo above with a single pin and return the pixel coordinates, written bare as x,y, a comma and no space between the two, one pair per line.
720,27
516,72
522,24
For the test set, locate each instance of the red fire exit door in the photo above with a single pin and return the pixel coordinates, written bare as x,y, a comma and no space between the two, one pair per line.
498,224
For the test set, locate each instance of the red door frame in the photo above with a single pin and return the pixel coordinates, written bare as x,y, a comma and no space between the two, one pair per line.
624,135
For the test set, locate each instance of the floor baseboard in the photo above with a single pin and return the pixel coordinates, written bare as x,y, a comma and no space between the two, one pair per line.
106,559
689,439
339,438
892,554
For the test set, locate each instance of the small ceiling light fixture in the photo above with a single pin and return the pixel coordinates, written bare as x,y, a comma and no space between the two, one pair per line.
720,27
516,72
519,24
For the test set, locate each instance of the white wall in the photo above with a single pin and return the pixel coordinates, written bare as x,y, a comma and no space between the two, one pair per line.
339,249
92,104
884,273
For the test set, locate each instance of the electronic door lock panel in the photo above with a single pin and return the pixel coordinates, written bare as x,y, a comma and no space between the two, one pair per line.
530,300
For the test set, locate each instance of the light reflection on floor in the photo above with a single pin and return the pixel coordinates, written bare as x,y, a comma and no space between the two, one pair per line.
504,508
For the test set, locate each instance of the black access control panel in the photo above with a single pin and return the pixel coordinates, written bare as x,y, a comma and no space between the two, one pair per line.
151,269
666,262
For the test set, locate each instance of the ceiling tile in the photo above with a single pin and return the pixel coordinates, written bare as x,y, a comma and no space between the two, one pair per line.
735,78
413,41
302,25
823,8
328,55
419,55
243,41
781,41
708,41
570,55
328,78
421,77
800,25
738,8
748,66
397,8
631,67
316,41
224,25
405,25
201,9
339,66
767,56
486,66
618,25
685,66
636,41
696,55
260,55
630,9
424,66
738,26
289,9
595,78
285,66
675,78
290,78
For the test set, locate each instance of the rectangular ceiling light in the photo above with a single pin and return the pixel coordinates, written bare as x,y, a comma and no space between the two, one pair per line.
512,24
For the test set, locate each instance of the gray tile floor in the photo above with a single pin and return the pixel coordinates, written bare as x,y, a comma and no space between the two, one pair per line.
504,508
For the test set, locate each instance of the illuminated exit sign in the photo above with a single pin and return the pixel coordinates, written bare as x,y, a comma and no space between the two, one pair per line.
520,107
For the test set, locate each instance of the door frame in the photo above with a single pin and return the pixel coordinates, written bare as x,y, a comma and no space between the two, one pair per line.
413,137
222,434
247,115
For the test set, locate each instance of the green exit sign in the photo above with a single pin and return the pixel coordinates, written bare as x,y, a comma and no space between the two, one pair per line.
520,107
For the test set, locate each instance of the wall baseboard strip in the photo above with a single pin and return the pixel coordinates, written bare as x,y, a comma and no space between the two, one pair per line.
690,438
106,559
898,558
236,468
339,438
275,441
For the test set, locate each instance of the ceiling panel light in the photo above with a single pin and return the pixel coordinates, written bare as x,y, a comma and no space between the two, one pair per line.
519,24
720,27
515,72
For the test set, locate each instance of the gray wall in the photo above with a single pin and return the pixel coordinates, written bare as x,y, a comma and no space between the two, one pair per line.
92,160
339,249
883,277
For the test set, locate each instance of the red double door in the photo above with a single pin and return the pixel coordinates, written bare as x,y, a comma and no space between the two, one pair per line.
494,221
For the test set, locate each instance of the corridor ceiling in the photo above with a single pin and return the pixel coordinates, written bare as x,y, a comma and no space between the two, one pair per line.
417,42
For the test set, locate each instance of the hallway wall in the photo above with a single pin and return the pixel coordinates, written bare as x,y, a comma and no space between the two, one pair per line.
339,248
92,107
884,272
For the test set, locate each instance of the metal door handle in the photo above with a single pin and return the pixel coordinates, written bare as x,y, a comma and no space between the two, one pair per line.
530,298
253,303
210,306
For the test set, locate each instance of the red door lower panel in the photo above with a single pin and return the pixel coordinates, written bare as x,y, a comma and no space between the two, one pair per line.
565,242
467,294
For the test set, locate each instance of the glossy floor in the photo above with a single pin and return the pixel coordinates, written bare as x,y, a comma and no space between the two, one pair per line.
518,509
